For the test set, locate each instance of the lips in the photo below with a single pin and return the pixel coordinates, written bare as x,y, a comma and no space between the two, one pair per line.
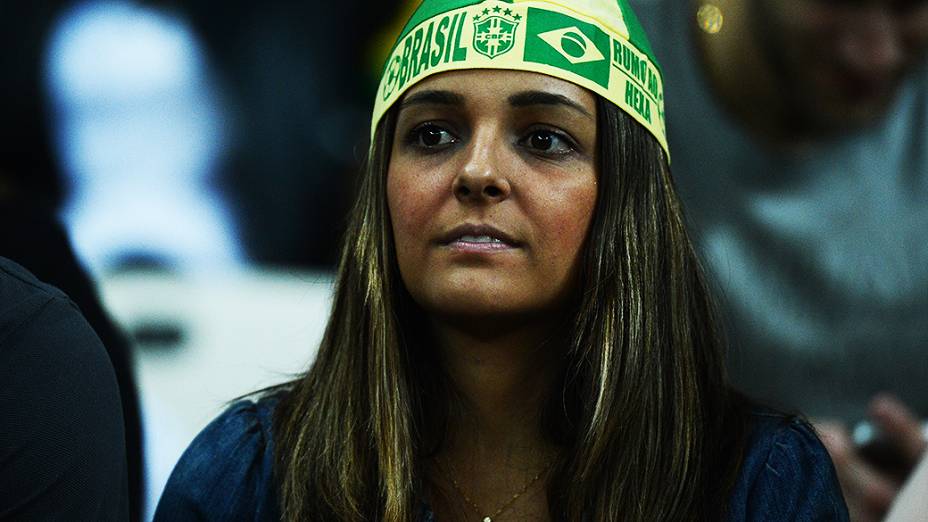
856,85
481,237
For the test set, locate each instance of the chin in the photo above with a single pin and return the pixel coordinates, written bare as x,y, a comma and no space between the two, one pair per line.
832,107
854,117
471,304
486,307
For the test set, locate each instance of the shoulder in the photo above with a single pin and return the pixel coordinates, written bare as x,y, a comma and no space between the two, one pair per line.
15,276
40,319
786,474
227,471
31,311
45,341
22,297
63,439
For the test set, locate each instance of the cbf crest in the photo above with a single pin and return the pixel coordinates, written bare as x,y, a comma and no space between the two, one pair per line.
495,31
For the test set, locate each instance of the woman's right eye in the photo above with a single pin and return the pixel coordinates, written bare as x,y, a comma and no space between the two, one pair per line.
430,136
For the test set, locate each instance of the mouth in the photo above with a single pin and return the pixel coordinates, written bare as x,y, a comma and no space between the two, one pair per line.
861,87
478,238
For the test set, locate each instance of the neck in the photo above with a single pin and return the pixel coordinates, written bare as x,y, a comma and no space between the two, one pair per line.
503,381
495,456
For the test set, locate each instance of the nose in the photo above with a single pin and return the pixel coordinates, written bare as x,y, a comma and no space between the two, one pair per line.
873,41
482,178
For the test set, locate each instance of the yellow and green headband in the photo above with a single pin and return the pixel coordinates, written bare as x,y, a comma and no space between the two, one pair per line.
596,44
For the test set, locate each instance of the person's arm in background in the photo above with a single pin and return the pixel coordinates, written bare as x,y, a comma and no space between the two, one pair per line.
869,490
62,445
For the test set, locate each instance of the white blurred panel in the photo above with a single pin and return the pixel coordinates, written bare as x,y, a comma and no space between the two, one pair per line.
239,332
140,132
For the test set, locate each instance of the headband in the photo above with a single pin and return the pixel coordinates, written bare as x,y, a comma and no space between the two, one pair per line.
596,44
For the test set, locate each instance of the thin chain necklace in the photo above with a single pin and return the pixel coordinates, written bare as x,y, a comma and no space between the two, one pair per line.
506,505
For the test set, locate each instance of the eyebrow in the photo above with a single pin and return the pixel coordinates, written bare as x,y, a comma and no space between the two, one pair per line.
520,99
433,98
529,98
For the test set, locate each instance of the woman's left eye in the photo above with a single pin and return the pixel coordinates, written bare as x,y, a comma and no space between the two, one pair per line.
548,142
430,136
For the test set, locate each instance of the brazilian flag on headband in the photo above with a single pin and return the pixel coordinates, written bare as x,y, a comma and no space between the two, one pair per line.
570,44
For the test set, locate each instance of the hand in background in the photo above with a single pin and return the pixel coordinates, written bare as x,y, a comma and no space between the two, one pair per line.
869,489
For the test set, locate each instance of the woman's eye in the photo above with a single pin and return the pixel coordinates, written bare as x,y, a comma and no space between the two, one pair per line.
430,136
549,143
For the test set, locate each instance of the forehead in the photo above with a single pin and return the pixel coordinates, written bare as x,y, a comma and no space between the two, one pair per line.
483,87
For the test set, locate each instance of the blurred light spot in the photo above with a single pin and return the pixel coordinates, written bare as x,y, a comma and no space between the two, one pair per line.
710,18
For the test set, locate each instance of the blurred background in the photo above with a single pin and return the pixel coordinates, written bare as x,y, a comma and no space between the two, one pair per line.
183,169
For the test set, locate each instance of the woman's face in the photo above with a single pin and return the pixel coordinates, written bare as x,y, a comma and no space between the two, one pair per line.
491,188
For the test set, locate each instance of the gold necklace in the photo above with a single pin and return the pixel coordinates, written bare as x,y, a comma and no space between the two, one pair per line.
506,505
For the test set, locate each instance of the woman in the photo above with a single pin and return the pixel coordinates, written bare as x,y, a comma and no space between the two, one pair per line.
520,330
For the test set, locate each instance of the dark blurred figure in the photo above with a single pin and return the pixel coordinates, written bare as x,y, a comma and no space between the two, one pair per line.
799,131
297,93
62,445
31,191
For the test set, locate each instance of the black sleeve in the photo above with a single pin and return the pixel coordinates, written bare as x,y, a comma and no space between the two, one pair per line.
40,244
62,445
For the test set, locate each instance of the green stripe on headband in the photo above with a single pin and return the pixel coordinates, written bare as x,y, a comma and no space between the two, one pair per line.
597,44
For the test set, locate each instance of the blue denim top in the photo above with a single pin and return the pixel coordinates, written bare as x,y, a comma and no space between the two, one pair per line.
226,473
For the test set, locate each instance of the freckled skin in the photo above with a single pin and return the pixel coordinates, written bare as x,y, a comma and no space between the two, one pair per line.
493,174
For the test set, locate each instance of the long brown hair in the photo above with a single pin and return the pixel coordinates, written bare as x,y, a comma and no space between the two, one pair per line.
648,428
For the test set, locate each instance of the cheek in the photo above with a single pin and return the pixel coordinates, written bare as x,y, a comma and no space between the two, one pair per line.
916,33
567,214
805,27
409,205
413,200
